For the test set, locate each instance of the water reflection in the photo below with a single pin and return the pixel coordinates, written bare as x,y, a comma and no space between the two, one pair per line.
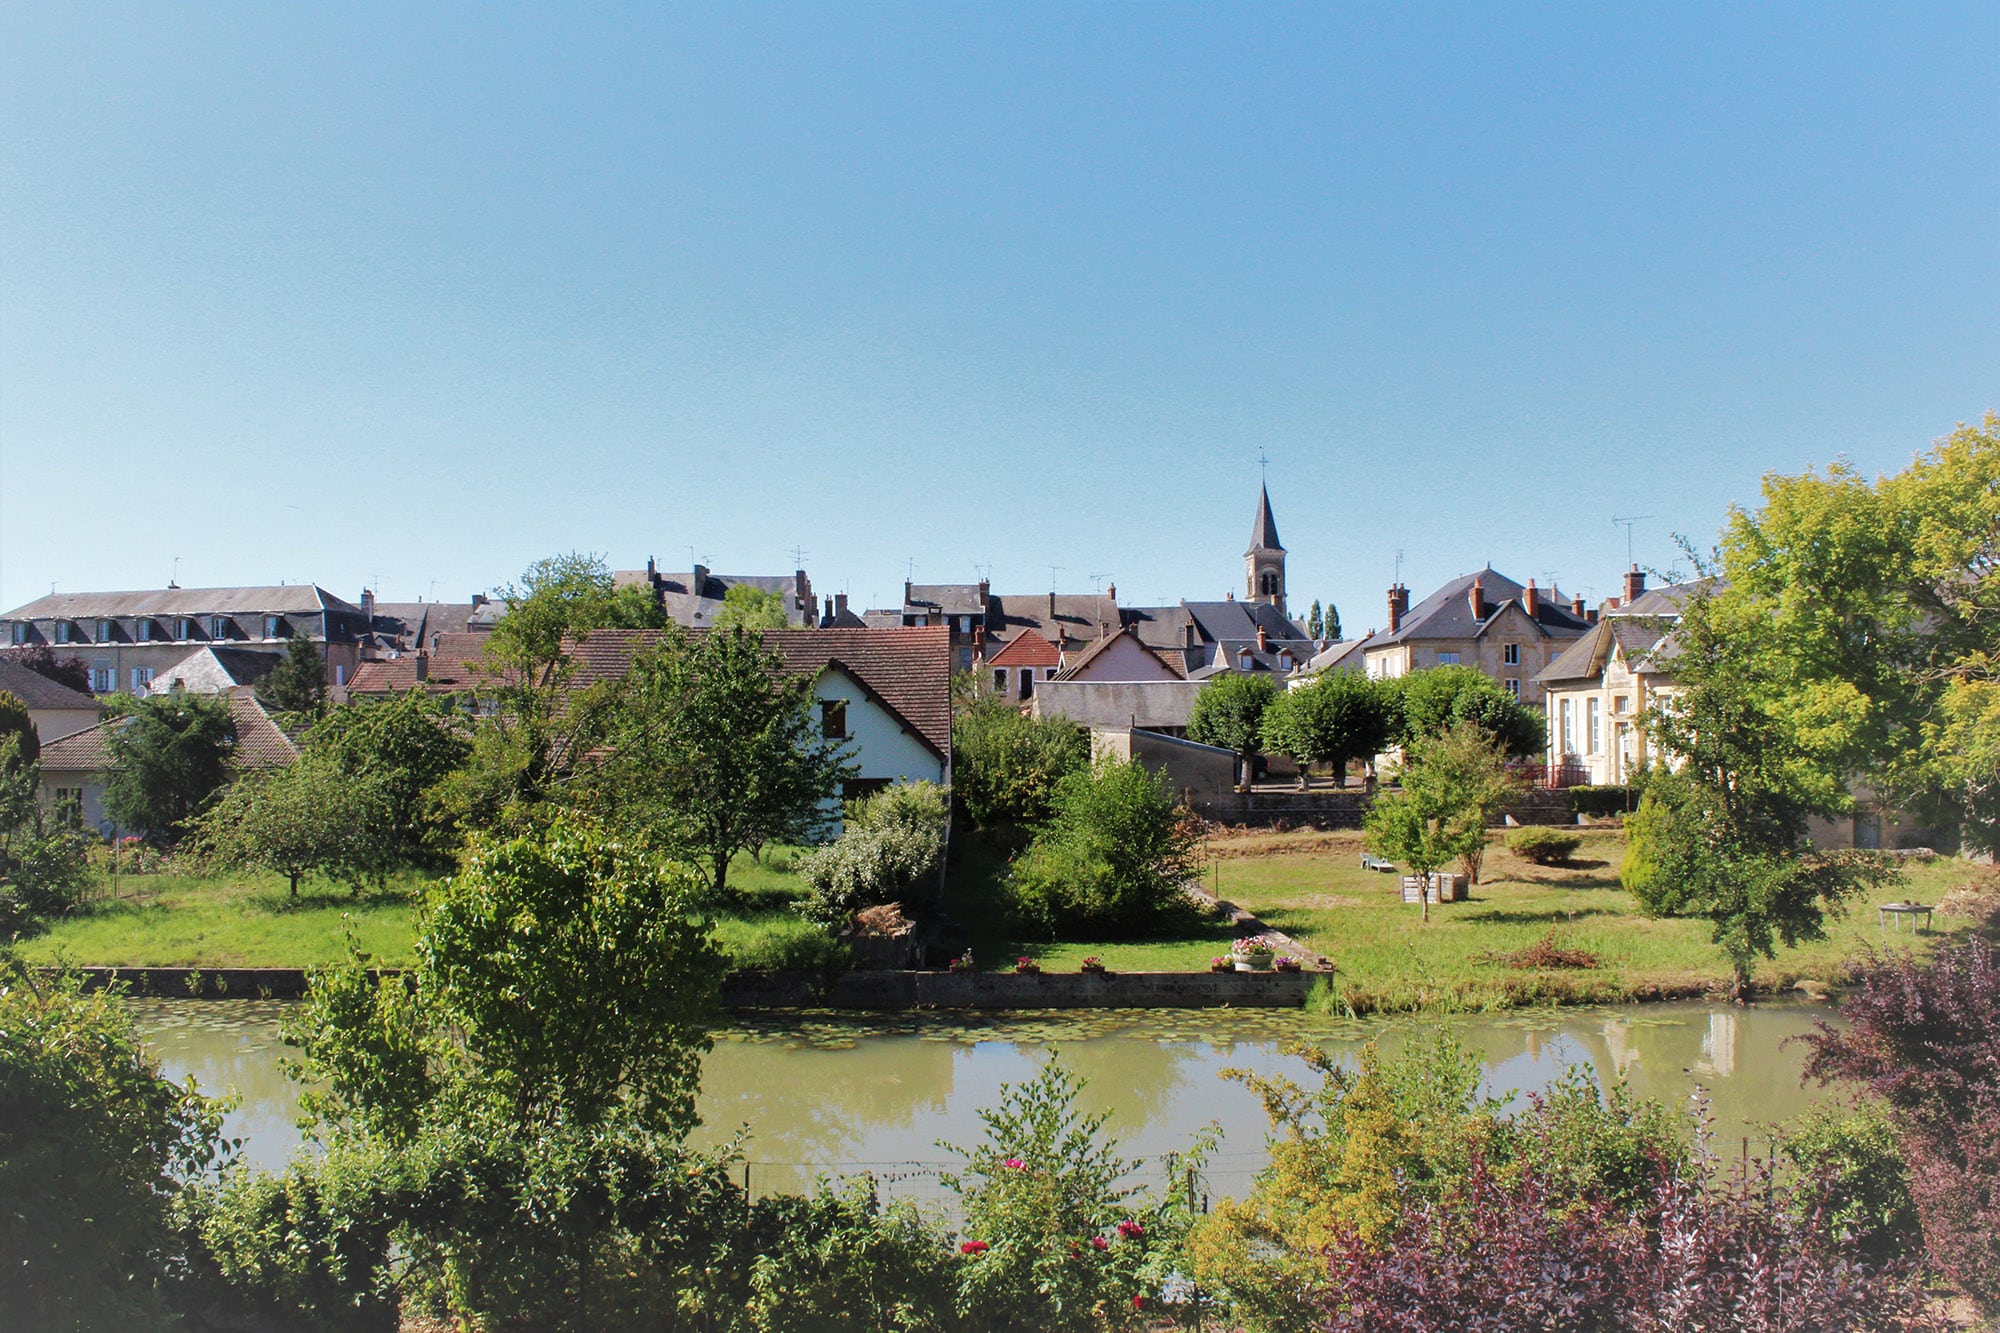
822,1093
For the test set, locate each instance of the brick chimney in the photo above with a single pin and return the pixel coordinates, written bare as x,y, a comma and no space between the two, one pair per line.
1531,600
1263,640
368,604
839,604
1112,593
1475,596
1052,604
1399,606
906,592
826,616
423,666
1576,607
1635,583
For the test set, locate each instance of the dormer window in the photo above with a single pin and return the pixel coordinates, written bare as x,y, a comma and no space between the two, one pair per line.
218,627
274,627
20,631
142,630
183,628
62,631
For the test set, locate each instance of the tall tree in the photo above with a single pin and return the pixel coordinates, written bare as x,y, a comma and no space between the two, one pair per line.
167,761
1342,715
1229,713
746,607
297,685
1332,621
305,819
16,722
407,746
711,748
1006,765
1436,699
1315,622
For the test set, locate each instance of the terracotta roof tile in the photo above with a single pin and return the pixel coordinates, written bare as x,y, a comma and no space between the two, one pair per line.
259,741
1026,650
455,666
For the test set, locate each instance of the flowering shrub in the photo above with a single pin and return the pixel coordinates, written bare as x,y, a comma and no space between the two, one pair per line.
974,1247
1092,963
1287,963
1042,1191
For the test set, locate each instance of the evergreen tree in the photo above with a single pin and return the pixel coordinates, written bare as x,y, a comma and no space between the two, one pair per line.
1332,621
297,684
1315,623
167,761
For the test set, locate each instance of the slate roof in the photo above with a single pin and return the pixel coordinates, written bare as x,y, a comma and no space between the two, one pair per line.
411,624
951,599
1064,618
1447,613
907,670
1026,650
1665,601
450,668
38,691
1264,536
260,743
213,668
1076,664
1636,636
288,598
1343,656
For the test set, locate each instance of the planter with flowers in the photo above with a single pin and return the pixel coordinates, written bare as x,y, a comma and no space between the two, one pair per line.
1094,965
1254,954
964,963
1286,963
1025,966
1222,962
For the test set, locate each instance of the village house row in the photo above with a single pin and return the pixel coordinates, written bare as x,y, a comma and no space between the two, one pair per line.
884,676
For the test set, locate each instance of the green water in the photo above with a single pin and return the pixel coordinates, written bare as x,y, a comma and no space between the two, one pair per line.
839,1094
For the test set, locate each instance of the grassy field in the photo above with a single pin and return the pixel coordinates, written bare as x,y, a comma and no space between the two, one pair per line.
1309,885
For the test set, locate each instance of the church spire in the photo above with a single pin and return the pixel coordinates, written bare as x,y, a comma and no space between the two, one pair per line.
1264,562
1264,537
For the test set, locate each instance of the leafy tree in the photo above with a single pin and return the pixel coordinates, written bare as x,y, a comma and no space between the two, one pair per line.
1315,621
1437,698
405,746
1922,1037
1332,621
15,722
94,1144
168,761
559,598
309,818
890,850
1116,856
44,866
41,659
747,607
712,748
297,685
1006,765
1229,713
1452,786
1340,716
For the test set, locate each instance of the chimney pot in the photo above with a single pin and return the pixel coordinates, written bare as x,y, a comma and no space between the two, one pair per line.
1263,640
1531,600
1590,617
1475,596
1399,606
1112,593
840,604
1635,583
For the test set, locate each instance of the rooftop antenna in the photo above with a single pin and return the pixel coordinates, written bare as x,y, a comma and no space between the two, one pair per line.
1628,524
1097,583
984,571
910,568
1053,571
798,557
434,590
1399,566
174,579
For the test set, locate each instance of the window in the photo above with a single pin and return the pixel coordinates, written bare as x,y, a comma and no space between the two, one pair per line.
142,679
274,627
183,628
103,680
1028,683
1594,724
105,631
1622,704
833,719
142,631
69,806
1566,727
1514,687
218,627
62,631
20,628
1511,654
1447,659
1000,680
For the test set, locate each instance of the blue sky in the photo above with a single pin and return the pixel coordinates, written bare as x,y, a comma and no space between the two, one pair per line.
409,295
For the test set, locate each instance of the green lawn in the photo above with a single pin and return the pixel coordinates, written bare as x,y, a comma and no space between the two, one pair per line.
1311,886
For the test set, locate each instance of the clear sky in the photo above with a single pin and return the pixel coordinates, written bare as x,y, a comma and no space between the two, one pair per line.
411,294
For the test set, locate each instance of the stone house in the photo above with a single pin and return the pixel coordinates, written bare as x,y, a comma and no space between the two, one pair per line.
54,709
1483,620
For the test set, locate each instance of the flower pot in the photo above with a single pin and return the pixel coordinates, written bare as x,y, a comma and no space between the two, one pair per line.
1263,962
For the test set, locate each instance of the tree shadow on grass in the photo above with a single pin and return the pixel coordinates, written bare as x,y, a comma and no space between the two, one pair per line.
1502,916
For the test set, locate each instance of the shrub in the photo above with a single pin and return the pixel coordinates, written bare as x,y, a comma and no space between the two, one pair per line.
1006,766
838,1260
1602,802
1851,1176
1923,1036
1116,857
890,851
1543,846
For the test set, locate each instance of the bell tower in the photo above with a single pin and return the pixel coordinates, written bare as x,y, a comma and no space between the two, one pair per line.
1264,562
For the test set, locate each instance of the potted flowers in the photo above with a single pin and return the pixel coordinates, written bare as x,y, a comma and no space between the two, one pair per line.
1253,954
1027,967
1093,964
1222,962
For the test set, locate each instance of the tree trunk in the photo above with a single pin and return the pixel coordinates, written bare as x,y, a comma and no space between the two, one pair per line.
295,883
1424,894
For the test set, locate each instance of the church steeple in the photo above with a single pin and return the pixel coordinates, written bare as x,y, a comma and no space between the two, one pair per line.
1264,562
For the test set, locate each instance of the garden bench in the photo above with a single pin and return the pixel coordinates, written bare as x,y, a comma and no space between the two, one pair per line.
1901,911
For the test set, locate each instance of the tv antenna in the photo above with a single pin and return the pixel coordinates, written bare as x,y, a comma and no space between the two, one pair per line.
1628,524
910,568
1097,583
798,557
1399,566
1053,571
984,571
173,579
692,562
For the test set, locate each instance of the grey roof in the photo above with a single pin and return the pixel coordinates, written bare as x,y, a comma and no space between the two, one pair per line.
410,625
1638,637
1061,618
951,599
38,691
286,598
1343,656
1447,613
212,669
1264,536
1665,601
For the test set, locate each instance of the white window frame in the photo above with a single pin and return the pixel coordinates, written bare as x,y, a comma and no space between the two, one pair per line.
1593,717
272,624
218,627
106,630
142,679
183,628
103,680
142,630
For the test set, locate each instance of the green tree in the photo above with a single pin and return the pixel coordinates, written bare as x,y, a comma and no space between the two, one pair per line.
1339,716
297,685
405,746
94,1146
16,722
711,747
891,849
168,761
44,866
1315,621
308,818
1229,713
1437,698
1006,765
1332,621
1451,786
747,607
1115,858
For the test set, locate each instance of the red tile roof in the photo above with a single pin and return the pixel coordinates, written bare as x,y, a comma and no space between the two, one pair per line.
259,741
1027,649
455,665
907,670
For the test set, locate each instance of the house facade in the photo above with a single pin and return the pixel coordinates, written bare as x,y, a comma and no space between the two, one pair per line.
127,638
1484,620
54,709
692,599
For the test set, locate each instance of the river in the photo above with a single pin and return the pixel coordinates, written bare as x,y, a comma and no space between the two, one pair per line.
841,1094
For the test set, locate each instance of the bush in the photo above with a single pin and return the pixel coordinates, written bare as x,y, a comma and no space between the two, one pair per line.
838,1261
1851,1176
1602,802
1923,1036
890,851
1543,846
1115,859
1006,766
